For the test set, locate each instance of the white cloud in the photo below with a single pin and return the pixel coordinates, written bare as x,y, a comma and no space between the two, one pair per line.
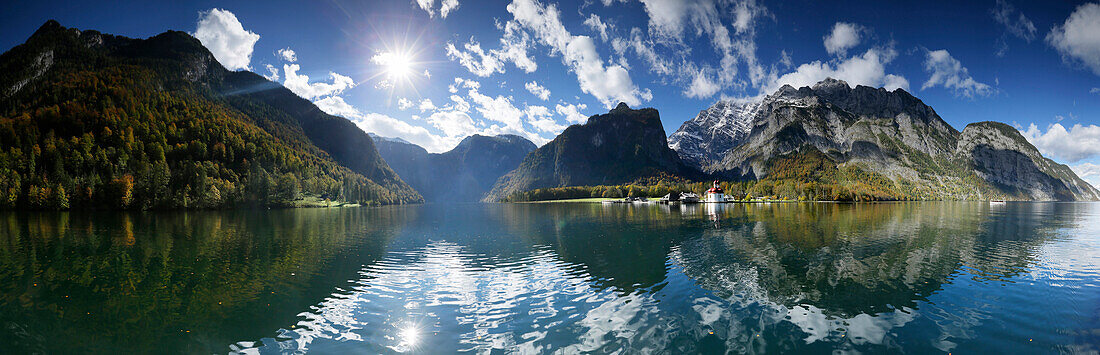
949,73
476,60
426,105
666,17
541,118
1089,172
445,7
1073,145
453,123
288,55
1015,22
386,126
538,90
300,85
867,69
572,112
499,109
701,86
404,104
1095,91
669,20
458,104
513,48
274,73
465,83
1078,39
609,83
225,37
843,37
593,22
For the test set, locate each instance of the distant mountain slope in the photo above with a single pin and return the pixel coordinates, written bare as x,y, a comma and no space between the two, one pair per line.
887,136
109,121
619,147
465,173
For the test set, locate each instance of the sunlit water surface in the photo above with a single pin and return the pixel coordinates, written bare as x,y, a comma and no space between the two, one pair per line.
568,278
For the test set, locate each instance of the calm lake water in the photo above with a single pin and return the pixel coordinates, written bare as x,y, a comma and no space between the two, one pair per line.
537,278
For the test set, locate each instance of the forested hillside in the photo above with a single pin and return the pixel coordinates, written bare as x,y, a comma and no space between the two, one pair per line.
89,120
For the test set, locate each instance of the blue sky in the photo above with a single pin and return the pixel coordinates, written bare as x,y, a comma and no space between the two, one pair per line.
435,71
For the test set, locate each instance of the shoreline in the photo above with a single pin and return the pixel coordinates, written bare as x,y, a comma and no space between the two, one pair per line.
653,201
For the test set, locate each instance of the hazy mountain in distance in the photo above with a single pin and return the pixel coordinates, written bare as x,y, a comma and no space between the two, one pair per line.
462,174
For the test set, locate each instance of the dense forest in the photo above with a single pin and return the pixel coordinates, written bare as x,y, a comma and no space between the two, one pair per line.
131,132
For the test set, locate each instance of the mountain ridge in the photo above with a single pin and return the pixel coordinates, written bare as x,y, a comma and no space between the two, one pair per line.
890,133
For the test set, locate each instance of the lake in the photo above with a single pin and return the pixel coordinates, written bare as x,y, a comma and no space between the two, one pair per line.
557,277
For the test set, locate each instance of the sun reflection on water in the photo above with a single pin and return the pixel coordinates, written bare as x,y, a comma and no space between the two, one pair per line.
409,337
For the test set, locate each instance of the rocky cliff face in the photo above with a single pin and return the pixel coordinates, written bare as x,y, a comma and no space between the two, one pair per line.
1001,156
719,128
465,173
622,146
885,132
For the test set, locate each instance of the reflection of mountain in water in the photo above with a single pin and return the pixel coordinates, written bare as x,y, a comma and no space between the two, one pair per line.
857,270
860,270
192,281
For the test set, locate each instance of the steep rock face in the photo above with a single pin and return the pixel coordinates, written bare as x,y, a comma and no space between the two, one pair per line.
465,173
621,146
885,132
1000,155
882,129
719,128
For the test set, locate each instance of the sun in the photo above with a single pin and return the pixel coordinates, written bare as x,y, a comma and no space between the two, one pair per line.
400,65
396,66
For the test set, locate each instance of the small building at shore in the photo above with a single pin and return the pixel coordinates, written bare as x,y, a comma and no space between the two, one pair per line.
715,194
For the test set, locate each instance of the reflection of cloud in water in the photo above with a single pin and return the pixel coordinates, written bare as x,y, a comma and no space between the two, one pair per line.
442,284
740,287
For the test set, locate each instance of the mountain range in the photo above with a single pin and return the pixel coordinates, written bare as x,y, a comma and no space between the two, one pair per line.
864,134
463,174
100,121
94,120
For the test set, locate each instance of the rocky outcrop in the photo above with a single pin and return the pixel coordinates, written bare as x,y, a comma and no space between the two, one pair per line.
619,147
